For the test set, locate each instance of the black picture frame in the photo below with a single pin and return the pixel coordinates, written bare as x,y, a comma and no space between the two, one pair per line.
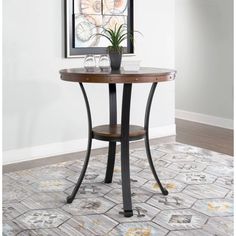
71,51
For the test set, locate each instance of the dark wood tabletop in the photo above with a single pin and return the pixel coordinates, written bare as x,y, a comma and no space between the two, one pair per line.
144,75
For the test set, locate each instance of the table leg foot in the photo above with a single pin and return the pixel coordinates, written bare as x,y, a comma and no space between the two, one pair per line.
126,213
165,192
70,199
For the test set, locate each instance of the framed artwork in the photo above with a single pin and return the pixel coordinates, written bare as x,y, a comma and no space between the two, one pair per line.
86,18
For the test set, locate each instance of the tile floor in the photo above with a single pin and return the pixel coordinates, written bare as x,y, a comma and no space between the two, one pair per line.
200,200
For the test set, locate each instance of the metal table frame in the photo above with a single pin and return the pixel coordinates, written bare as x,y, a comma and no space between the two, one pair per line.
124,139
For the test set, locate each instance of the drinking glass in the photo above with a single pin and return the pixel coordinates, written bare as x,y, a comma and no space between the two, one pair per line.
89,63
104,62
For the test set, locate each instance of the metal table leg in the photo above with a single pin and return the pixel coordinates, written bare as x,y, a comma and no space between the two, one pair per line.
82,174
147,145
112,145
125,170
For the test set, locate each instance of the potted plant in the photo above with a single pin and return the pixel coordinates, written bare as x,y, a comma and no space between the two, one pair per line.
115,36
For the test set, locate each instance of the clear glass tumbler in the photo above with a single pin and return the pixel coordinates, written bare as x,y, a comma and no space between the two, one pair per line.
104,62
89,63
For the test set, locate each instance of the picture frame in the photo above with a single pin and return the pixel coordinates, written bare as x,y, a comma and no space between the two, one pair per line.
83,23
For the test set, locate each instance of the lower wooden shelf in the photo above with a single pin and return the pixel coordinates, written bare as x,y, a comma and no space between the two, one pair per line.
113,132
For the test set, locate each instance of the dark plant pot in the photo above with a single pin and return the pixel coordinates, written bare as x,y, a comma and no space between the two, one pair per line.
115,58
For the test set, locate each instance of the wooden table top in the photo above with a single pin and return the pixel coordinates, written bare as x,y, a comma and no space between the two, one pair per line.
144,75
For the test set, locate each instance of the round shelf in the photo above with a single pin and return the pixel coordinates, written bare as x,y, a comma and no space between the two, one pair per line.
113,132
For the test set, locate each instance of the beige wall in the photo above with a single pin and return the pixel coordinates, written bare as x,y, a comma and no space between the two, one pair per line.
204,57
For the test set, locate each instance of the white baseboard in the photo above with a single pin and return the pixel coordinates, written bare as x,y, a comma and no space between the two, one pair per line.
54,149
205,119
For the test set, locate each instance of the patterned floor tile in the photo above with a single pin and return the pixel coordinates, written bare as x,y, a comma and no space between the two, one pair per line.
198,204
185,149
36,219
88,206
214,207
15,192
178,157
45,200
10,228
230,195
138,195
163,173
23,177
6,179
76,166
172,201
180,219
143,163
12,210
226,182
90,177
220,226
43,232
141,153
90,190
194,232
89,225
138,229
172,148
141,211
51,172
135,182
133,170
172,186
187,166
196,152
220,170
52,185
196,178
206,191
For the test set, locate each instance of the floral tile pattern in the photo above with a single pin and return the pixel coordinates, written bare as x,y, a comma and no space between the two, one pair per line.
88,206
172,201
141,211
90,225
215,207
220,226
35,219
180,219
200,200
139,228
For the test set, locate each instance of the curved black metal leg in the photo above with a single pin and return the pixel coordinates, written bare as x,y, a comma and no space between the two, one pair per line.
112,145
125,172
147,145
82,174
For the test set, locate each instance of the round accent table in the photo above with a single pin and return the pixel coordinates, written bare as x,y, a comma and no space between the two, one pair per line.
114,132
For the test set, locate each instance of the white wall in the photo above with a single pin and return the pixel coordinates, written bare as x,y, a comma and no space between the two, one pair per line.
204,60
43,115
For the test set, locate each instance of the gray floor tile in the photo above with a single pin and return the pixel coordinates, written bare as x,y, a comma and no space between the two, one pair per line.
172,201
214,207
206,191
220,226
35,219
139,228
180,219
141,211
88,206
